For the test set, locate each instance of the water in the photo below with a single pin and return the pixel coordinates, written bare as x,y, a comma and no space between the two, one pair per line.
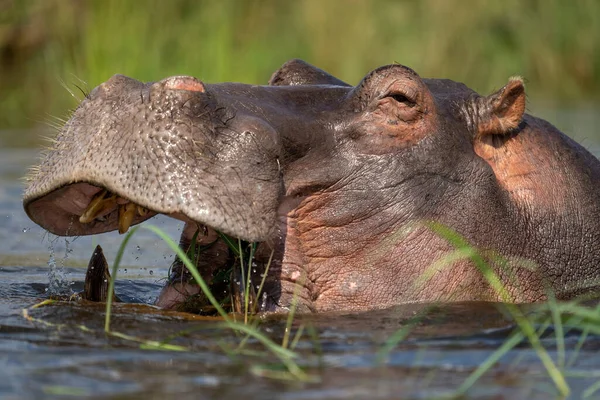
51,355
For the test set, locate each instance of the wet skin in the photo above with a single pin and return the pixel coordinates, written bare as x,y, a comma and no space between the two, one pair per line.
339,184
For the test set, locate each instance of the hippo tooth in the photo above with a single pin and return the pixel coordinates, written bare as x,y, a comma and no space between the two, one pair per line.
97,278
126,215
142,211
98,207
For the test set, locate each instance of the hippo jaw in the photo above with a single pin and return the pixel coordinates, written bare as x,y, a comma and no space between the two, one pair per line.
212,256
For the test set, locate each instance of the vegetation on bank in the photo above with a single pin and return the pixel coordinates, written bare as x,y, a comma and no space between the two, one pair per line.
45,44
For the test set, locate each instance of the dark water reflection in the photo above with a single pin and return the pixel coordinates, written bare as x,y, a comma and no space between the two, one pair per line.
53,357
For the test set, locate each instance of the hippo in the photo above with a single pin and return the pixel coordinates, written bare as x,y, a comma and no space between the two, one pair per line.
341,189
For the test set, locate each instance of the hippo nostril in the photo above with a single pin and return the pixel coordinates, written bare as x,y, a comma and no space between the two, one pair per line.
117,84
184,83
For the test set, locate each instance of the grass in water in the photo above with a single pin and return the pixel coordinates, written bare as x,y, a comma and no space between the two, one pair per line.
526,327
552,312
561,316
552,317
285,356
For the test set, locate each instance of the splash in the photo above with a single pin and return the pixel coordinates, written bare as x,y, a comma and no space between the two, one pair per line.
59,284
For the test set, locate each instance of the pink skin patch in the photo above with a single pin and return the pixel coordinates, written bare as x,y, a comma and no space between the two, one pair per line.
184,83
174,294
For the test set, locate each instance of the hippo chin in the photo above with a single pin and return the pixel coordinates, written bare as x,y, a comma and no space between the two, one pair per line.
338,184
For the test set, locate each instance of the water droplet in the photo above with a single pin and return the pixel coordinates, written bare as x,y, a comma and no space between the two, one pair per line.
58,282
151,272
125,270
138,248
25,230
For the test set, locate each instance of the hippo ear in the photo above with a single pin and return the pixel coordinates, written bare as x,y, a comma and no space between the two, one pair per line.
298,72
502,112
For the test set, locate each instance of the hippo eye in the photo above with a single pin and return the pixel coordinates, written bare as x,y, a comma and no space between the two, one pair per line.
401,98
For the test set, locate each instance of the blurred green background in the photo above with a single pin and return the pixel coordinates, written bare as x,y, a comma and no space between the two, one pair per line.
48,44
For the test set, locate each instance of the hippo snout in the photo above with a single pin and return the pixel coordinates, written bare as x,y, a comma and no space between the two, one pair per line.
168,147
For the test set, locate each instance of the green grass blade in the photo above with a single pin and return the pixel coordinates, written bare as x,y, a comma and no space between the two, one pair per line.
268,343
496,283
559,333
584,334
230,243
148,344
191,268
290,316
297,337
262,281
589,392
113,276
392,342
510,343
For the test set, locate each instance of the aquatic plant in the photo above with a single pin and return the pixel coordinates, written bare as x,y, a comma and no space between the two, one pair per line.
549,319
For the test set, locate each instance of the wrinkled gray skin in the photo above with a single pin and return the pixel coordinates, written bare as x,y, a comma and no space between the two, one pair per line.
341,182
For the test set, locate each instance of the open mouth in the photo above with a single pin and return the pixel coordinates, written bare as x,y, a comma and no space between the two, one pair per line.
104,203
233,269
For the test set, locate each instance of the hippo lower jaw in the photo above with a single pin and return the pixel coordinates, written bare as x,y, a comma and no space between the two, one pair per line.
227,273
88,208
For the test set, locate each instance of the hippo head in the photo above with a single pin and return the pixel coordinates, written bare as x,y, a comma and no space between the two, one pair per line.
334,181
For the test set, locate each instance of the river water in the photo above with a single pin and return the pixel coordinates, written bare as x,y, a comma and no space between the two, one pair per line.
61,351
